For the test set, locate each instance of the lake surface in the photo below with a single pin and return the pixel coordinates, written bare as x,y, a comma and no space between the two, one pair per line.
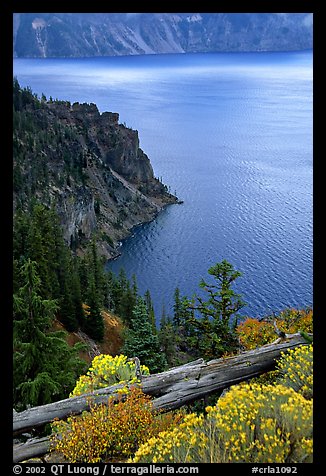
232,135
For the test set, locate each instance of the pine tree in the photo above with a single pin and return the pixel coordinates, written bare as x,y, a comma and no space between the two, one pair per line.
76,292
177,308
185,335
109,293
150,310
38,236
134,287
167,339
141,342
42,247
124,296
215,330
94,284
93,321
45,367
67,314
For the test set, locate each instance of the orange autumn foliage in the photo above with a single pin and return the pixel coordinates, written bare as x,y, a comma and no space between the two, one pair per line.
114,430
253,333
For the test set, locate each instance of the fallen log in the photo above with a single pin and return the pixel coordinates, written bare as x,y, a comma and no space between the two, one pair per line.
30,449
176,387
171,389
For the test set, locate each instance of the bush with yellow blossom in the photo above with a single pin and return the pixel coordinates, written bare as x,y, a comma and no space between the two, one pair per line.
106,370
295,370
178,445
249,424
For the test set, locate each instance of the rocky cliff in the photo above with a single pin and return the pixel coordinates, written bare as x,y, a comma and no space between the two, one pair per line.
86,165
106,34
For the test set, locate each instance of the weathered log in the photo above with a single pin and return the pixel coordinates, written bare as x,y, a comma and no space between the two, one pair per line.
30,449
172,388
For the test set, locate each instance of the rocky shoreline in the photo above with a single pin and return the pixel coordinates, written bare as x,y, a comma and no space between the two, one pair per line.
90,168
116,253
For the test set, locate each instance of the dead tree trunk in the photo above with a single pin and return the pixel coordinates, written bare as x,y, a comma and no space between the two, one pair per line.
32,448
172,388
181,385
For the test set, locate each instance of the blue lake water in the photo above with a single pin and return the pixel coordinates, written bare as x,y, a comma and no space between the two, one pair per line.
232,135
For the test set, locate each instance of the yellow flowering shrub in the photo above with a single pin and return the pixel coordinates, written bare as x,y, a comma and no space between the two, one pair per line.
112,430
106,370
263,424
178,445
249,424
296,369
253,333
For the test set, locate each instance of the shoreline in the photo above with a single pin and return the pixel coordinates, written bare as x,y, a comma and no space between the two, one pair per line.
116,253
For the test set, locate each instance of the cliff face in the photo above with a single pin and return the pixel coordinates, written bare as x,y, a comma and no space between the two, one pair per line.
86,165
109,34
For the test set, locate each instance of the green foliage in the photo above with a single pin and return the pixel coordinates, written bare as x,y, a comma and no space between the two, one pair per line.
215,329
306,336
123,295
107,239
68,279
177,336
141,342
223,301
93,281
38,236
45,367
39,142
93,323
167,339
150,310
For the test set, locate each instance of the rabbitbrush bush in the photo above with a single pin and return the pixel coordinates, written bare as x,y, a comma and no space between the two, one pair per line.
250,424
115,430
107,370
295,369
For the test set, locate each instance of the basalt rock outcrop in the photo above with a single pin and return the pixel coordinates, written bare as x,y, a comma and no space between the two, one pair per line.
86,165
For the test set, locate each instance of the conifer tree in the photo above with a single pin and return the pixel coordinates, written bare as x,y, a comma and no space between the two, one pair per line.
45,367
215,329
141,342
177,308
124,296
93,282
76,292
93,321
42,247
109,294
38,236
67,313
134,287
183,335
167,338
150,310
